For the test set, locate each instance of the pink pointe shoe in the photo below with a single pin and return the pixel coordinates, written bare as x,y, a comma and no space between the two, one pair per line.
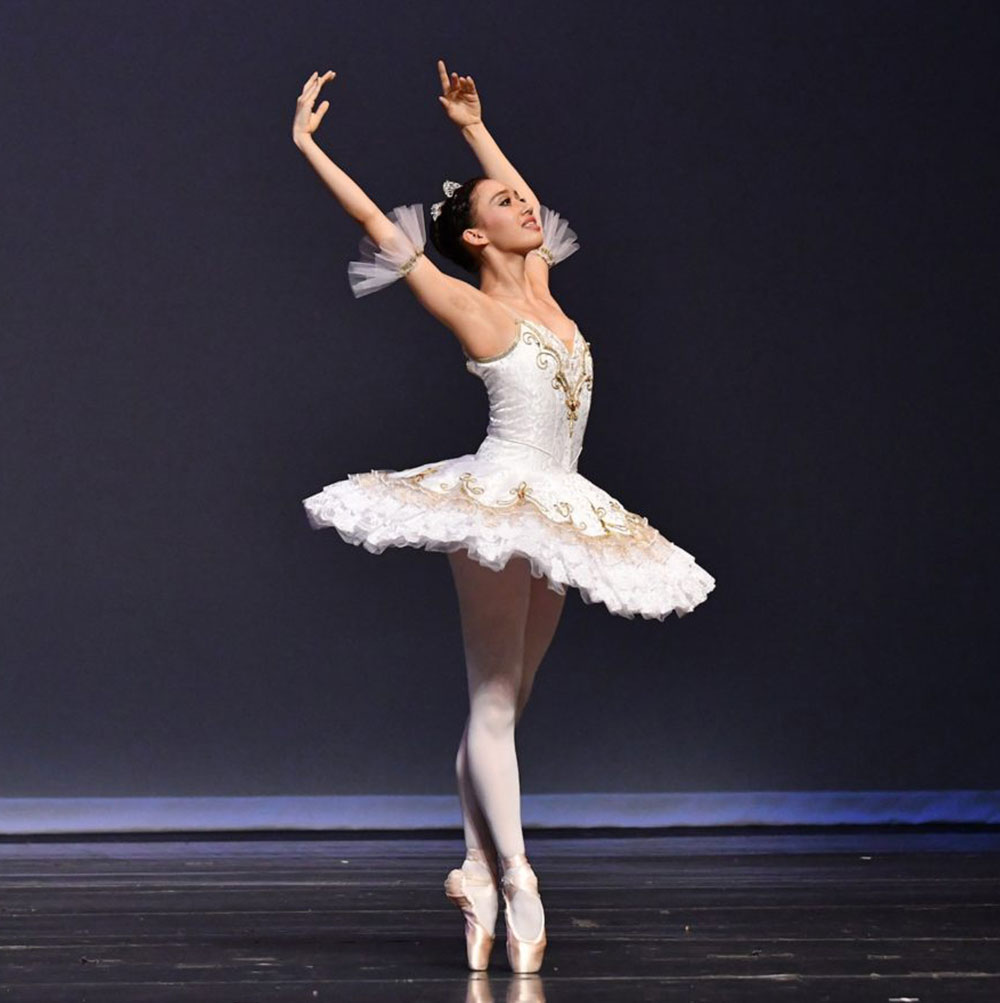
518,876
479,924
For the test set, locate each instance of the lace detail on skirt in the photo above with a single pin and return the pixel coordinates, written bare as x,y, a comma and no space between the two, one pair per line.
614,557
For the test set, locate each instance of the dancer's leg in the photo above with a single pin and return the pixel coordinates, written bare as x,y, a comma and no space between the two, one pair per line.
545,606
478,838
494,608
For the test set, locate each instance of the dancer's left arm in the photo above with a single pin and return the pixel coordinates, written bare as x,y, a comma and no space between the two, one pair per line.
460,100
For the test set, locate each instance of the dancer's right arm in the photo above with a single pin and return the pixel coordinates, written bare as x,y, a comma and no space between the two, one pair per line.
455,303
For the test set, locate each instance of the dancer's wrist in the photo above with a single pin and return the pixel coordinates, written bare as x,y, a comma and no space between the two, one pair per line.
474,132
303,140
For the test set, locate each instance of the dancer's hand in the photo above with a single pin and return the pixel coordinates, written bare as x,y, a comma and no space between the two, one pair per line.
459,98
306,120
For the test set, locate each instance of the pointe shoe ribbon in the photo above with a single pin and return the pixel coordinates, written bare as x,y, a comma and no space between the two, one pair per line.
523,955
478,939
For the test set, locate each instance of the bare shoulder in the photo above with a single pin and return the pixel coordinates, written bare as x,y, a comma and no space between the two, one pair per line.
482,326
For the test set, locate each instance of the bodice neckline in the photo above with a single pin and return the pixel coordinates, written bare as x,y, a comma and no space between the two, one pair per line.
577,334
571,352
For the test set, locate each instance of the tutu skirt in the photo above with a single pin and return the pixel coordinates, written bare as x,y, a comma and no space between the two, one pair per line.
570,531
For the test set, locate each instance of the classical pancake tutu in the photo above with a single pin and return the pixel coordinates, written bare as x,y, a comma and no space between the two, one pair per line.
570,530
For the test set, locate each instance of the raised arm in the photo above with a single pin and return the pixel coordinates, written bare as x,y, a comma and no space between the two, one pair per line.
461,103
394,246
348,193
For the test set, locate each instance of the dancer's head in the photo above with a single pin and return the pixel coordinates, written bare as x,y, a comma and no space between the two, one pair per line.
483,213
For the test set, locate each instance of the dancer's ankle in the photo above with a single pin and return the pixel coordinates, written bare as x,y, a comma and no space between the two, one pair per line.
478,863
516,860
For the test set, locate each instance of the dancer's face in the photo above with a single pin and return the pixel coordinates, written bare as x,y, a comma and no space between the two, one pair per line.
503,216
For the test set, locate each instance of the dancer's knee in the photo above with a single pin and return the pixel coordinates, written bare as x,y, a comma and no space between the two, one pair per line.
493,710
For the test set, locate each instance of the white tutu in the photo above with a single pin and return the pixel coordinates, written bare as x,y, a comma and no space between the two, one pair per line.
569,530
519,494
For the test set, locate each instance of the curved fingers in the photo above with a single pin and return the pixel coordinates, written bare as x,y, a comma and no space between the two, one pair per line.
315,82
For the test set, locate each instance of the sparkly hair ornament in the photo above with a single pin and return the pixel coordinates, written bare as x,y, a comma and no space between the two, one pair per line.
449,188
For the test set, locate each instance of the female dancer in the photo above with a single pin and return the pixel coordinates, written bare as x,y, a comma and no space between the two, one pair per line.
517,520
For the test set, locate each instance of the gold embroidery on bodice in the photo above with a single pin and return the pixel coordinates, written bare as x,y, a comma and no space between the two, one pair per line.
562,379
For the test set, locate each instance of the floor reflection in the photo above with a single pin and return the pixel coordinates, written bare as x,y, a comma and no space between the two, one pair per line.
520,988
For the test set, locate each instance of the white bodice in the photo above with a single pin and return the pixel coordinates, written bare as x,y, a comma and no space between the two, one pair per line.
539,395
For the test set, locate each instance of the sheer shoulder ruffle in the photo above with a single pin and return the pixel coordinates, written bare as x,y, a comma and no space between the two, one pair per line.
558,240
383,264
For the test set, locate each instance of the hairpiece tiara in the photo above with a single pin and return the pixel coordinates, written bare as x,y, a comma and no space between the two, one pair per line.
450,187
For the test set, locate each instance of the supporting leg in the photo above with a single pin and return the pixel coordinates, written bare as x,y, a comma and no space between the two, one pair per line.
508,621
493,607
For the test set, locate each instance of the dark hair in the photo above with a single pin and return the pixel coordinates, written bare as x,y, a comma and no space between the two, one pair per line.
455,218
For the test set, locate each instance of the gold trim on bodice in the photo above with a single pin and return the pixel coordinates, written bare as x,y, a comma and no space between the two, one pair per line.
562,379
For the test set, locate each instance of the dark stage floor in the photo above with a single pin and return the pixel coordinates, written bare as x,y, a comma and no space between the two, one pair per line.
909,914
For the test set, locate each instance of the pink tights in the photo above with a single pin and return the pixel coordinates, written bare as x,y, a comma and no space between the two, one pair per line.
508,621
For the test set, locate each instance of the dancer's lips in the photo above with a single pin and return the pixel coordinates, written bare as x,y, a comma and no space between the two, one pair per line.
530,222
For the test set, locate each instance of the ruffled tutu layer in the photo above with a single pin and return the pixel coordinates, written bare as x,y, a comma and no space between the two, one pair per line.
571,531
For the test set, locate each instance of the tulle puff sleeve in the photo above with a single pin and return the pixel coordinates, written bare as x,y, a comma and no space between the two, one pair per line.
382,264
558,240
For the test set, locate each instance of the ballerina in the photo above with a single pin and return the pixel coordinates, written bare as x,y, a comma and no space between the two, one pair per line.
517,520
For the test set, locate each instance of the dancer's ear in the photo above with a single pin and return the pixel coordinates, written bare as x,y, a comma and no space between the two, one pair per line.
474,236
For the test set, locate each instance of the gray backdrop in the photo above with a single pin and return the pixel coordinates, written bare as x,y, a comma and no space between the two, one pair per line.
787,274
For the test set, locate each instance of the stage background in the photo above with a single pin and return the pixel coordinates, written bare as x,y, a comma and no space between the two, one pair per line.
787,275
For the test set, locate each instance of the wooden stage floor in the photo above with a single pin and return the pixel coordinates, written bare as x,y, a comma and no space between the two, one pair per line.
901,914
